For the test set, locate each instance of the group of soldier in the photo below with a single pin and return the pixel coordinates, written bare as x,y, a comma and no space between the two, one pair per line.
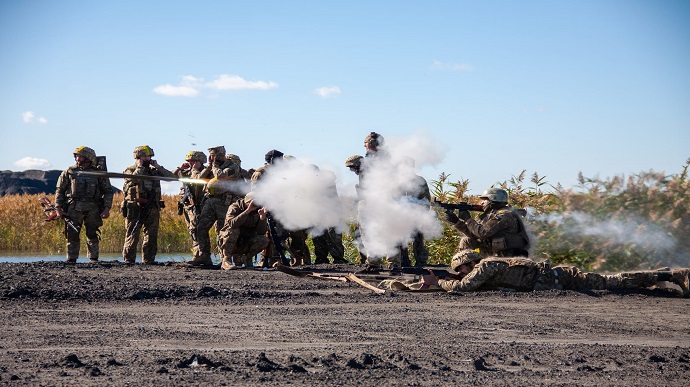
492,254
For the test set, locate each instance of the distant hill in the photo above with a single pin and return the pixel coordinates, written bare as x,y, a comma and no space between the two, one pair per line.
29,182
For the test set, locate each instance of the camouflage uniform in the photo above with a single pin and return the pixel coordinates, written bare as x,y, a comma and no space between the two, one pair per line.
191,197
217,200
83,198
331,242
243,235
141,205
498,232
522,274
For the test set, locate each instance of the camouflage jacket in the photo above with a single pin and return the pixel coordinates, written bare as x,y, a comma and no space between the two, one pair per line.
502,229
82,188
496,273
149,190
249,224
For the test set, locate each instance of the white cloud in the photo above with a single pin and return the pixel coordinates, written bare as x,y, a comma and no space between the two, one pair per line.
32,163
176,91
327,91
191,86
30,118
235,82
452,66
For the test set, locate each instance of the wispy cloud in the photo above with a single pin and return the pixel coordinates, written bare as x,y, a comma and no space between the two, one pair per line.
327,91
32,163
30,118
191,86
437,64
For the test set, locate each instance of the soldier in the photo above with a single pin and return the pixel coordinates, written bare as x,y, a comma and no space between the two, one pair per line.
523,274
354,164
86,200
499,231
221,191
191,195
244,233
299,251
375,155
330,241
418,192
141,206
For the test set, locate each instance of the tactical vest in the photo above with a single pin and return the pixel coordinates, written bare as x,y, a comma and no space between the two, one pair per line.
140,188
507,241
83,187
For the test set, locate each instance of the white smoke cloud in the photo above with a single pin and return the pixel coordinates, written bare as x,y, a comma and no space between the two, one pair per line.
32,163
300,196
619,231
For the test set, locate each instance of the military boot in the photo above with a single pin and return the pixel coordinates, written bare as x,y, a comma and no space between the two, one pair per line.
681,277
200,262
226,264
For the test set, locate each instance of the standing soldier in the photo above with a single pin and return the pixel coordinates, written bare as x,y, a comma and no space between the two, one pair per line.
299,251
191,195
86,200
141,206
221,191
419,191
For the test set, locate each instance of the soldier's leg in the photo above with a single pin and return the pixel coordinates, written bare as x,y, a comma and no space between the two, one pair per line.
149,244
571,278
421,253
335,246
473,244
72,236
206,220
632,280
255,245
191,220
92,222
404,256
298,248
681,277
229,237
129,249
320,248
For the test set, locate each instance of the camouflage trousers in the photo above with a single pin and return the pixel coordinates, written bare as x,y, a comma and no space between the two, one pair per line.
191,219
241,248
85,215
331,242
296,247
134,226
571,278
419,250
212,212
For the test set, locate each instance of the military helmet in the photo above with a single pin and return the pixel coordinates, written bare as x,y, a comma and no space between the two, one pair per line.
495,195
143,150
463,257
273,154
354,161
217,150
87,152
234,158
196,156
374,139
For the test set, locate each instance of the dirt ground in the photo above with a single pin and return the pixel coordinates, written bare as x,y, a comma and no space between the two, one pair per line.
111,324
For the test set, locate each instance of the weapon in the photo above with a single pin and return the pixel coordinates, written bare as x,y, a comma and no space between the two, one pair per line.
142,177
462,206
51,212
276,239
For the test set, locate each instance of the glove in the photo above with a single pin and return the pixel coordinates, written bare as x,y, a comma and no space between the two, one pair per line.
451,217
464,215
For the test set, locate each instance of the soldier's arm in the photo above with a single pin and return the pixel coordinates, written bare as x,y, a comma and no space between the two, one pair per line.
481,273
492,226
62,186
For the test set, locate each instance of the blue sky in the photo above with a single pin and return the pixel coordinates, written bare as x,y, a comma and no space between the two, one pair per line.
554,87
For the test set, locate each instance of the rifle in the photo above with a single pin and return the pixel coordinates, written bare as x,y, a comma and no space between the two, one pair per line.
440,273
51,212
462,206
276,239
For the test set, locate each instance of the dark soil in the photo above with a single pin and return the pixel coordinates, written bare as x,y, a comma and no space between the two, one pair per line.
164,325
